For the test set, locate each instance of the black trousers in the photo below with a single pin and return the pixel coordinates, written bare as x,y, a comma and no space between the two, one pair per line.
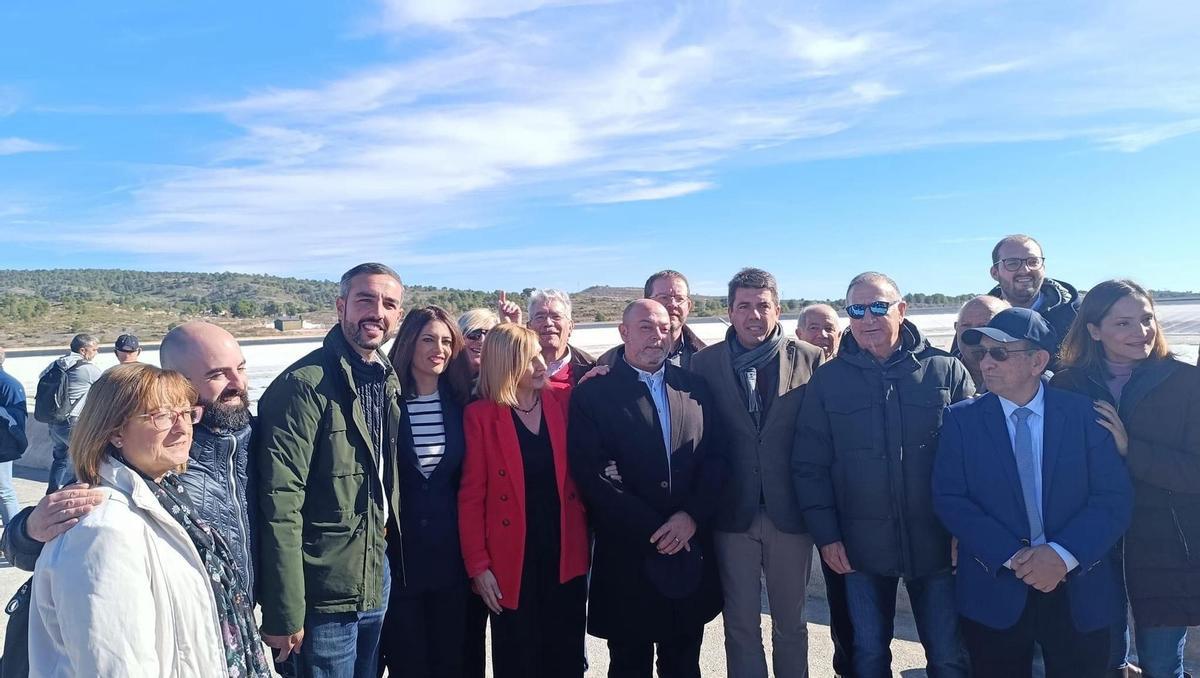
841,631
1046,621
423,634
543,637
474,645
678,657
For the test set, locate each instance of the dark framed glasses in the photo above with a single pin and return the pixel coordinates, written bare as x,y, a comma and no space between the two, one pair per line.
164,420
476,334
877,309
998,353
1014,263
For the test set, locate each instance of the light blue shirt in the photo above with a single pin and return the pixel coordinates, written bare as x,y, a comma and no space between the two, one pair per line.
657,384
1036,424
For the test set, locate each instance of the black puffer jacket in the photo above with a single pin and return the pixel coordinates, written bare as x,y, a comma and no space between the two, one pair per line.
863,458
1160,407
216,480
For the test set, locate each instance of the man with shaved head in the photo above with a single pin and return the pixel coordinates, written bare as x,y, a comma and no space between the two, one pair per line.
654,583
216,475
977,312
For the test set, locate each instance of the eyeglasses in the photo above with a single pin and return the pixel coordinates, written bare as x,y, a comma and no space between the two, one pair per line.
998,353
877,309
1014,263
665,299
163,421
476,334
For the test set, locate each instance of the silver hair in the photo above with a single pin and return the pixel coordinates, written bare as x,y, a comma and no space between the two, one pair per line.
548,295
369,268
812,307
82,341
875,277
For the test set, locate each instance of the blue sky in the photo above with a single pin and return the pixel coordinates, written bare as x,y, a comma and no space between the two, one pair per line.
517,143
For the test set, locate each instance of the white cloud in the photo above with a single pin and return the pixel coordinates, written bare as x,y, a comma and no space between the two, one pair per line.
15,145
642,189
1142,138
824,49
445,13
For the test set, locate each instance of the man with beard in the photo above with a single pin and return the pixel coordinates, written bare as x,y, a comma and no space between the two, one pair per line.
1020,269
669,288
217,473
327,486
550,317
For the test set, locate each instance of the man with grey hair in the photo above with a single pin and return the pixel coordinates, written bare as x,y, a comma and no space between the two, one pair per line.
325,453
862,465
80,373
550,317
976,312
818,324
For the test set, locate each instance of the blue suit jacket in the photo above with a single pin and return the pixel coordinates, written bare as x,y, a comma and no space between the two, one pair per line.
1087,502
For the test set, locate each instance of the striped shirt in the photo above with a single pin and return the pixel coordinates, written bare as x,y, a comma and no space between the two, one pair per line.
428,431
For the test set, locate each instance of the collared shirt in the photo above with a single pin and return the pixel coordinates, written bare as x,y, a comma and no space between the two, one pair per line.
1036,423
657,384
556,366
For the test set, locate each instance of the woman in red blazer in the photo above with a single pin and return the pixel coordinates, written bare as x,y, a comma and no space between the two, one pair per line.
521,522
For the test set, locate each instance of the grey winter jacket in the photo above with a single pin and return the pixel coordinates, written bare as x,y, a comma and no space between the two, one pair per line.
863,456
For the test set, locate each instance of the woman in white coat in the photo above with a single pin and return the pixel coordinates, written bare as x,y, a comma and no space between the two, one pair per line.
141,586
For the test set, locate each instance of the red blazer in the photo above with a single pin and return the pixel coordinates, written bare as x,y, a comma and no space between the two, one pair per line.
491,496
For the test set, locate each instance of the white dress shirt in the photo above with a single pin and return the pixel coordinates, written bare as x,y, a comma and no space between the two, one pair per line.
1036,423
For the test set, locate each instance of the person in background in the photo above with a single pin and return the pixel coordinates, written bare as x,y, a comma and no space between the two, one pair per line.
80,373
521,522
550,318
142,586
1117,355
1032,487
423,632
757,376
669,288
818,324
862,464
976,312
1019,269
13,441
326,453
127,349
474,326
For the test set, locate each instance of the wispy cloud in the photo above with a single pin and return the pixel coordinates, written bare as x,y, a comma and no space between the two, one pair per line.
15,145
1140,139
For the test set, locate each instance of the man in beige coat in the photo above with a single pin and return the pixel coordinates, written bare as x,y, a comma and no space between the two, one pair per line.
757,376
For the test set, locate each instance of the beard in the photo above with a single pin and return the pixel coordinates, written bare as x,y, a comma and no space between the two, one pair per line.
220,415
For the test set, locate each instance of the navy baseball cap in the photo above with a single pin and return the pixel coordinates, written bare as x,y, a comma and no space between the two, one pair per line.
128,343
1016,324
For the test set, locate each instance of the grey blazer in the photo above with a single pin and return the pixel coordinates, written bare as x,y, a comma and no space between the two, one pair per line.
760,461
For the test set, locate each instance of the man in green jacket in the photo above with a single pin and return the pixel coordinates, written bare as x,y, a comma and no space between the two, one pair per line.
327,489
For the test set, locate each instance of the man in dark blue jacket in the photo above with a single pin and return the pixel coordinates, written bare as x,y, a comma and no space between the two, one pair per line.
1034,491
217,473
13,410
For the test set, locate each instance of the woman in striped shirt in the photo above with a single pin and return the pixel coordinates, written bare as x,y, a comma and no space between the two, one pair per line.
423,632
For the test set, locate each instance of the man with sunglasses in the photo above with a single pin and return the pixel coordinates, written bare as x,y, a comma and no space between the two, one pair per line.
1020,271
1033,489
861,464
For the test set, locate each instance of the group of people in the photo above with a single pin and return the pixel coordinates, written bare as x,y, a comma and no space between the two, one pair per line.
382,509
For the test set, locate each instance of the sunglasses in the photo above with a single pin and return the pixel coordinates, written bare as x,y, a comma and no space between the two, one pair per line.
1012,264
877,309
476,335
163,421
998,353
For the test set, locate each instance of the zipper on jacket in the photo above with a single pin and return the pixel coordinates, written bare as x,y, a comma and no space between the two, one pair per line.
1187,552
243,528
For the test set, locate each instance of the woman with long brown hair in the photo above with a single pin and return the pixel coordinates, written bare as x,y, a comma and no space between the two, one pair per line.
423,631
1116,353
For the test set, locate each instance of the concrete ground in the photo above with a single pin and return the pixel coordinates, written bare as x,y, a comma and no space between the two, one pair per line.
908,657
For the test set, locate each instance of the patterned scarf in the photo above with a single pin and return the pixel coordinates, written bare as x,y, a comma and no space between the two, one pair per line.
239,634
747,362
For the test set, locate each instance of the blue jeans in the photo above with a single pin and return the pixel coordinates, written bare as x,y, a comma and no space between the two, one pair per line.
1160,650
871,600
344,644
8,496
61,473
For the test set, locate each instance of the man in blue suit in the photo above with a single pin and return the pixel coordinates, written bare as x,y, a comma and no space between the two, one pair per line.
1034,491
